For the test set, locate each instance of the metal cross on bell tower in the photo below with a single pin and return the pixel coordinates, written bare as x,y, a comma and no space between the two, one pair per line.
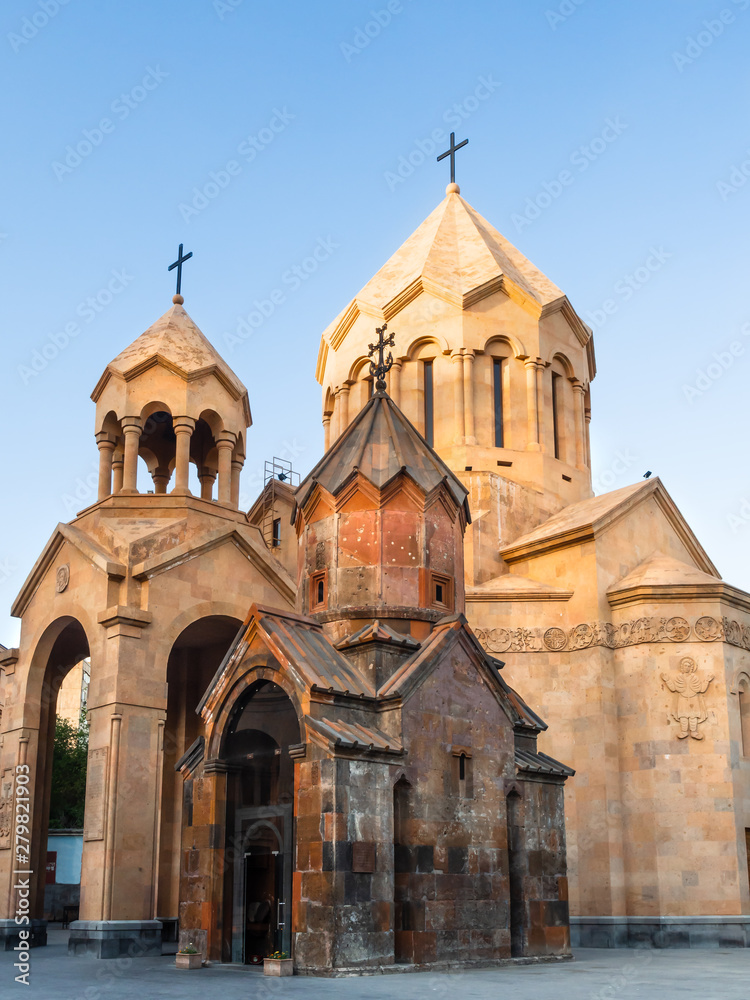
178,264
452,153
384,365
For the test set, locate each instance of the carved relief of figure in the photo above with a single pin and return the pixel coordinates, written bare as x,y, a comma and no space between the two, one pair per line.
689,686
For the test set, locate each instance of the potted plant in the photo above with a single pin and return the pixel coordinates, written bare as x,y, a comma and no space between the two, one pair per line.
278,964
188,958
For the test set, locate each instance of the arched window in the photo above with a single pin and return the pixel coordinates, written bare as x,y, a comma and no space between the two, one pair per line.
429,403
743,695
497,401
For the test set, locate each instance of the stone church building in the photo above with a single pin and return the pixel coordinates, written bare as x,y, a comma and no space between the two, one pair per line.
305,731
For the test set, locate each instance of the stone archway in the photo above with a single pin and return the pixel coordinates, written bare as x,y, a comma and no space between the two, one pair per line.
193,660
61,648
259,823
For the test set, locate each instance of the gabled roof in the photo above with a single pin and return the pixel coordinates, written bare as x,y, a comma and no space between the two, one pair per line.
661,577
451,630
379,444
174,341
585,520
377,632
457,255
353,736
298,644
536,762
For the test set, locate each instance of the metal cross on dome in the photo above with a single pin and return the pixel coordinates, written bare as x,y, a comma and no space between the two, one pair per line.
384,365
452,153
178,264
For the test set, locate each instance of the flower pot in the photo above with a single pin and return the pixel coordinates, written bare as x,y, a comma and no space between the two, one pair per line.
183,961
278,967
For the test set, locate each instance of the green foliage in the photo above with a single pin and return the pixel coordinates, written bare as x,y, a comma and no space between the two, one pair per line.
69,774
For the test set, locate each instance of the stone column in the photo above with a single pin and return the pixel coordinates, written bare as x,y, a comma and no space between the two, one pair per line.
532,404
183,428
225,444
106,445
344,401
458,397
161,476
206,478
131,427
326,431
469,397
394,383
586,422
580,423
117,464
237,464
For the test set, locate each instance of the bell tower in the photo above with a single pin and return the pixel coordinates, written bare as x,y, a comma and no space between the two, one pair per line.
494,369
170,399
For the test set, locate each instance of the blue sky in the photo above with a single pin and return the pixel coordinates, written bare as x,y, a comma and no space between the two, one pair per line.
117,116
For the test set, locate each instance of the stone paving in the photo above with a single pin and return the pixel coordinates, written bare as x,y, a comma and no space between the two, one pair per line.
594,975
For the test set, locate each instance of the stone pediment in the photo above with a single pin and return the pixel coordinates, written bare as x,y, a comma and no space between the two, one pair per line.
298,645
589,519
99,557
661,577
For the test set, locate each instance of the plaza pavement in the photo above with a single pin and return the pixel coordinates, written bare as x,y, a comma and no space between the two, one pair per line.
594,975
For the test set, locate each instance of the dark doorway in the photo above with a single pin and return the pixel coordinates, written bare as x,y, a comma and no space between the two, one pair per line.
260,817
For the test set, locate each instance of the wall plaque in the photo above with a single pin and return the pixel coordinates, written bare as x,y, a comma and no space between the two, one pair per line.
96,794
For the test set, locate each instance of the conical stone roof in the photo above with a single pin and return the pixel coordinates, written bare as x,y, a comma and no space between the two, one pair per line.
458,255
379,443
176,342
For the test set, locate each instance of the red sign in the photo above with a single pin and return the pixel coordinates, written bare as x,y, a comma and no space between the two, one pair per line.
51,868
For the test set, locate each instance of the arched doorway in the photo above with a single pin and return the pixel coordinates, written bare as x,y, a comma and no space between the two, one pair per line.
260,822
193,660
68,646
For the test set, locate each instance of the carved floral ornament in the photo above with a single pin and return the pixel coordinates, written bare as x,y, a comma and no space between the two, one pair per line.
599,633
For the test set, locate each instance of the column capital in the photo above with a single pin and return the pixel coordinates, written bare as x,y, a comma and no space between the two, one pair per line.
536,363
131,423
183,422
105,441
226,439
578,386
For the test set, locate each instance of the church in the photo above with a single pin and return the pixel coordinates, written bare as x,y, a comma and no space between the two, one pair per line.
436,704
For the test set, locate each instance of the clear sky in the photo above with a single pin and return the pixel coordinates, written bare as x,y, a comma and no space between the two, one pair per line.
117,116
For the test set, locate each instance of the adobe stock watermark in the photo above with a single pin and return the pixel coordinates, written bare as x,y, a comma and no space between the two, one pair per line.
292,280
364,36
31,26
738,178
122,107
581,158
224,7
620,464
7,570
721,362
248,149
87,310
424,149
562,13
22,871
627,286
711,29
739,519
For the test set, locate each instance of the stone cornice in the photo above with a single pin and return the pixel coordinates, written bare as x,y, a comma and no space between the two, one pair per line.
680,593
